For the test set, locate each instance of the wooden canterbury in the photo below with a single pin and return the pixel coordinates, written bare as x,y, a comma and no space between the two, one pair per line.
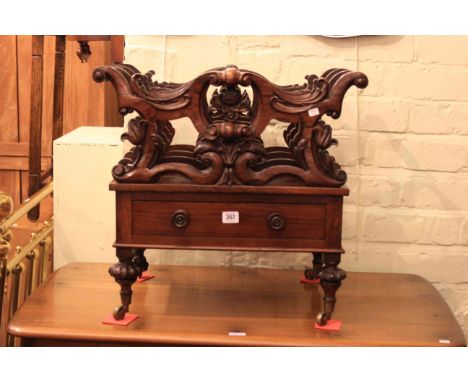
282,198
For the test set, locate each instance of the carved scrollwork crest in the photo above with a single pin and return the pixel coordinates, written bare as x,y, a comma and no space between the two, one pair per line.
229,149
229,153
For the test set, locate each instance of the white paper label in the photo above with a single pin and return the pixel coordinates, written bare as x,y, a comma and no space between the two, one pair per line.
237,334
444,341
313,112
230,217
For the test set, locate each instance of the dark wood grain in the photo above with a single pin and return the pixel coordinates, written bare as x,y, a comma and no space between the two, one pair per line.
116,42
100,108
306,227
229,149
59,86
195,190
173,196
35,131
201,305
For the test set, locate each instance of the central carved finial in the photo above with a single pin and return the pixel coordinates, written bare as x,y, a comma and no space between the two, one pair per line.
230,113
230,96
230,75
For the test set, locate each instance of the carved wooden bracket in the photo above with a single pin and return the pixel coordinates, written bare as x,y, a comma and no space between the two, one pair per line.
84,51
229,149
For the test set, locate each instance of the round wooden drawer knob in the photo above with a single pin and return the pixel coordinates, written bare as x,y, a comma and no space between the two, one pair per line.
276,221
180,219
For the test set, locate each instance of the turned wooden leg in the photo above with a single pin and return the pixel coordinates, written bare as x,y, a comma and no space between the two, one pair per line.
317,266
125,273
140,260
330,280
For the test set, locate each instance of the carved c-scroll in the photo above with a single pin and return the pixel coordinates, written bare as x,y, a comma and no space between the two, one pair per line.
229,149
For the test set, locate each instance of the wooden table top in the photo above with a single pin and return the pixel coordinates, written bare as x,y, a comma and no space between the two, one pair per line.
201,305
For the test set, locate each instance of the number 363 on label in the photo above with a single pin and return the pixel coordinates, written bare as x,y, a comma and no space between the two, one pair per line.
230,217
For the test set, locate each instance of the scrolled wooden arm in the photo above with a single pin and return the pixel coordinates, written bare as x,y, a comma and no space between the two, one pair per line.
229,149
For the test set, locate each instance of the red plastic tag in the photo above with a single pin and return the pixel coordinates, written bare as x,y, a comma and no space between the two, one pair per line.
331,325
307,281
145,276
127,320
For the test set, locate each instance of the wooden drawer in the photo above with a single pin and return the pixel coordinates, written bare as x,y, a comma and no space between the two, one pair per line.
314,225
205,219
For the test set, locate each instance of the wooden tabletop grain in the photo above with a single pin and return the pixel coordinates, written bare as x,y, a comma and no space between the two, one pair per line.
201,305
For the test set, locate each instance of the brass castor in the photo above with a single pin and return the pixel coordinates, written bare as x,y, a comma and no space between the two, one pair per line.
310,274
119,312
322,318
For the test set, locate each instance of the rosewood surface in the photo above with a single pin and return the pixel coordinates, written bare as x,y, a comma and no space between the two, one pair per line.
309,221
229,170
200,305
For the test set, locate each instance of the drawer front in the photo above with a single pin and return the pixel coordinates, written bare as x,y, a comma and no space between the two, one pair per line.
273,221
262,226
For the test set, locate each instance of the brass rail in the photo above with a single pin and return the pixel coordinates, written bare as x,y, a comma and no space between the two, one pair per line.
28,204
23,271
22,252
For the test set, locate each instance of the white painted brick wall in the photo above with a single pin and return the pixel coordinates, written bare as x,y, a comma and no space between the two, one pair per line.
403,142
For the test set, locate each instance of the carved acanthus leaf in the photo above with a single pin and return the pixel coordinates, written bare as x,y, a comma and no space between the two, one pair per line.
164,95
127,163
162,140
135,135
322,136
229,104
299,98
136,131
230,113
293,136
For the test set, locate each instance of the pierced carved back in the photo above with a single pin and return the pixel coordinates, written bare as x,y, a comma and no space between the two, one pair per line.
229,149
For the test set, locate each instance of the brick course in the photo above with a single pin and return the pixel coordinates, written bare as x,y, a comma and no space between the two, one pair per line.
403,142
